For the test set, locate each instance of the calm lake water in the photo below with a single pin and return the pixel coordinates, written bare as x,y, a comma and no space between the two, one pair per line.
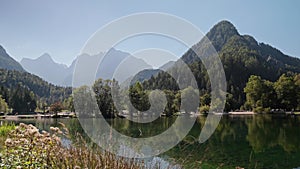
259,141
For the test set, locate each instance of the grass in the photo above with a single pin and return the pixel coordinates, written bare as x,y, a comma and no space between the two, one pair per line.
5,128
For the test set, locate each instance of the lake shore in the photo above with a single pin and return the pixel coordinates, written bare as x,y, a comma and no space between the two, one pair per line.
73,115
39,116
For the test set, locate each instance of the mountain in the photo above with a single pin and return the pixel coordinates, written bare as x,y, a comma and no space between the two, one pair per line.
146,74
12,81
230,44
241,56
46,68
167,65
7,62
61,75
114,64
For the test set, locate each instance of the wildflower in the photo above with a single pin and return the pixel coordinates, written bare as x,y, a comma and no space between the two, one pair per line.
22,125
33,132
8,142
45,133
59,132
30,126
54,129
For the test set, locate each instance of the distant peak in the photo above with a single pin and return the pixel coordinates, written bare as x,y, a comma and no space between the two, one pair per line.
45,56
221,33
225,23
113,50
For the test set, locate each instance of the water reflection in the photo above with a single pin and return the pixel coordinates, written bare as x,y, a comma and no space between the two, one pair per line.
260,141
265,132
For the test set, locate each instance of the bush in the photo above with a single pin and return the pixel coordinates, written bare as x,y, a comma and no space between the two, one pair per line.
260,109
204,109
26,147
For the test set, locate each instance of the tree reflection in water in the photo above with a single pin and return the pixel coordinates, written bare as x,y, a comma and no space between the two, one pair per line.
260,141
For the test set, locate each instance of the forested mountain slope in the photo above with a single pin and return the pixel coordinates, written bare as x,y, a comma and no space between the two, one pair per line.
241,55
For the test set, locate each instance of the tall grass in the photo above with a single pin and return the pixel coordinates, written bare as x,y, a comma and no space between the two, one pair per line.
5,128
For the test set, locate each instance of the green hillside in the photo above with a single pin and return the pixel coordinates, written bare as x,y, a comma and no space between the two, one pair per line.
21,88
241,55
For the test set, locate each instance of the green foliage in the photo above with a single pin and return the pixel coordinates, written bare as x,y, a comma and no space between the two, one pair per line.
260,94
190,99
3,105
204,109
84,102
43,90
5,128
205,99
263,95
69,104
173,102
261,109
266,133
103,91
297,83
22,100
22,90
139,97
286,90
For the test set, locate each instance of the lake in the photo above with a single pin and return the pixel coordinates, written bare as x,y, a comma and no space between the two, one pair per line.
256,141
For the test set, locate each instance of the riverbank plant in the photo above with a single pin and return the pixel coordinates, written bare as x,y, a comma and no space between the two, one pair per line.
26,147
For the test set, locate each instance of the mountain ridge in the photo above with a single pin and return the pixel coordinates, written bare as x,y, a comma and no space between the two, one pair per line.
241,56
7,62
60,74
45,67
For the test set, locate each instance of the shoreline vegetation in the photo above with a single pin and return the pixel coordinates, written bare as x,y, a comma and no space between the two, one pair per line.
261,96
39,116
120,115
26,147
54,130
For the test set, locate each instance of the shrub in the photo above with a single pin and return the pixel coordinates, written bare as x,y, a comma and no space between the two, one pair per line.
204,109
26,147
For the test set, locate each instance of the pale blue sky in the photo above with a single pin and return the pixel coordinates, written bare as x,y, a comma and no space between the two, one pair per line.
30,28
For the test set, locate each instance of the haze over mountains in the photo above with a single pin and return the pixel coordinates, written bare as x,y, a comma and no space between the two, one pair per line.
60,74
46,68
241,56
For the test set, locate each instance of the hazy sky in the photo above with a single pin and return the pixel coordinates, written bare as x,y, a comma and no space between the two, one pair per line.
30,28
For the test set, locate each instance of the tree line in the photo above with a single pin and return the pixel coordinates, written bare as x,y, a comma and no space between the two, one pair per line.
263,95
24,92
